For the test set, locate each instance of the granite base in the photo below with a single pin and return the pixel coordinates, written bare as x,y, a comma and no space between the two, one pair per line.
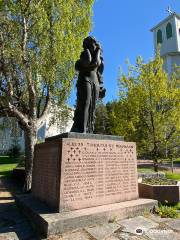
49,223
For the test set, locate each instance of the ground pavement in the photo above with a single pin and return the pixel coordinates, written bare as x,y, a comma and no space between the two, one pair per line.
14,226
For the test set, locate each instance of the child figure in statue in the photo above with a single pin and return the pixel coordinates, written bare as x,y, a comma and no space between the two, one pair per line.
89,85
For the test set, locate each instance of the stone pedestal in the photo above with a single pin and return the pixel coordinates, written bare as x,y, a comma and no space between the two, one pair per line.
77,171
81,180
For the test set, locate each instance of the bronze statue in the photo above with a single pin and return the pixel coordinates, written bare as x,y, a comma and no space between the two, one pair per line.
89,85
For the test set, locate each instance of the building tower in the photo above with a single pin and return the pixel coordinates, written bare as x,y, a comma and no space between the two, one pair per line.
167,37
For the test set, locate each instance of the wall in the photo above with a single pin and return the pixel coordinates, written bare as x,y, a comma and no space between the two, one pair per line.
168,45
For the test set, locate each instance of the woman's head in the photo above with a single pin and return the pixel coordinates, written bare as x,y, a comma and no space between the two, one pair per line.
90,43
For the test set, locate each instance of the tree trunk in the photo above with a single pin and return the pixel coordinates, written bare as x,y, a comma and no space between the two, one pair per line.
172,165
30,136
156,167
155,156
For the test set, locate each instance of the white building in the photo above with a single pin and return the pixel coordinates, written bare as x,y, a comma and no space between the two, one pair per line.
11,134
167,38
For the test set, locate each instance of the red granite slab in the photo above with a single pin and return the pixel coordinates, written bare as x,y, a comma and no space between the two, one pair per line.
71,174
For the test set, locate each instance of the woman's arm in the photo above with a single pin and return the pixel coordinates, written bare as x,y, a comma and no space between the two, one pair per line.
89,62
85,58
96,61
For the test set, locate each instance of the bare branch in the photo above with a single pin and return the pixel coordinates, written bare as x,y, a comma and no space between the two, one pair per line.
12,111
19,115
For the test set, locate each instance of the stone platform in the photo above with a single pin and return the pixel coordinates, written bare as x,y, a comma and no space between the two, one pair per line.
76,171
81,180
49,223
85,136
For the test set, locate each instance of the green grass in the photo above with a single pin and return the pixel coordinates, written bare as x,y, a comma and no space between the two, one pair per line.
7,164
145,170
175,176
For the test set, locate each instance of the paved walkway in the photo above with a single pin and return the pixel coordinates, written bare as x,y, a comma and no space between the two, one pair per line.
14,226
137,228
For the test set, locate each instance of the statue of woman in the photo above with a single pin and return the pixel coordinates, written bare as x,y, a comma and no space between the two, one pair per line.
89,85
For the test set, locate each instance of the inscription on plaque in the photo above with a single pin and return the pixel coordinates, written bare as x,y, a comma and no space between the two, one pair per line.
96,173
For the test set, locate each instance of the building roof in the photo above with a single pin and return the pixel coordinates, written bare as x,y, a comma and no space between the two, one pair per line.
165,20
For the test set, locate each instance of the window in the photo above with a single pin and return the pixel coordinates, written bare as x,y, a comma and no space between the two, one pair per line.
169,30
159,36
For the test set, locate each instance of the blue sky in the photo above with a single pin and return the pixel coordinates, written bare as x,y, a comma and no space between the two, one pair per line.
123,29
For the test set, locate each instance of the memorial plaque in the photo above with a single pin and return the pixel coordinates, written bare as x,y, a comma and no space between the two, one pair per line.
95,172
73,173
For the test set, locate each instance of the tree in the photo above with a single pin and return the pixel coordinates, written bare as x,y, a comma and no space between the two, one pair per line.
149,107
101,122
39,43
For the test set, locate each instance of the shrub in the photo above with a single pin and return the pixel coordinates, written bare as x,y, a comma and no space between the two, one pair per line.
177,206
21,162
159,181
14,151
165,211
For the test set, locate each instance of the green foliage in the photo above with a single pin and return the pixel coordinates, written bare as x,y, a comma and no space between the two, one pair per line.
40,41
63,115
177,206
102,119
165,211
159,181
148,109
103,123
14,151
